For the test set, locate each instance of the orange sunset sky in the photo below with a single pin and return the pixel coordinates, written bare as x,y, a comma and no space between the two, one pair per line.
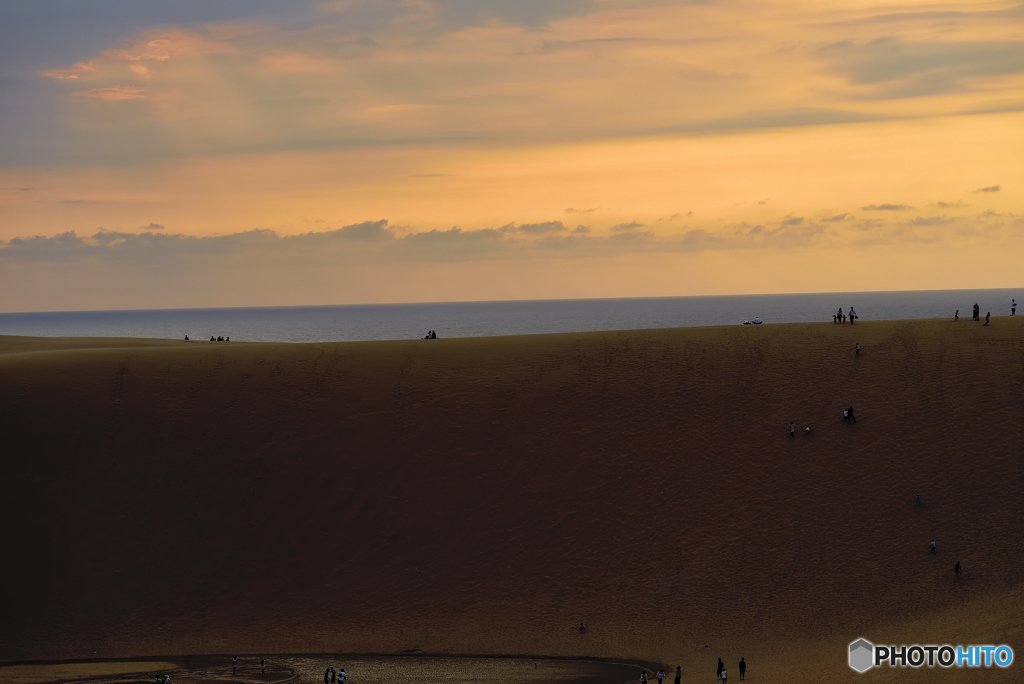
255,152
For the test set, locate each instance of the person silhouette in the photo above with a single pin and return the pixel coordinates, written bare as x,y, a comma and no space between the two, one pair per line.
743,669
1013,307
234,665
186,338
957,570
718,672
792,429
987,315
679,674
933,546
856,349
956,316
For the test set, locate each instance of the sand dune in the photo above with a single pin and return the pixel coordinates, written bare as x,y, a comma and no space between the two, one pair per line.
487,495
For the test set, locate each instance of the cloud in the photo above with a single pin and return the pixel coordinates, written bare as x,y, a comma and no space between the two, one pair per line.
838,218
952,205
990,188
792,221
367,231
455,234
114,93
581,230
571,210
69,74
542,228
622,227
896,67
886,207
152,226
930,221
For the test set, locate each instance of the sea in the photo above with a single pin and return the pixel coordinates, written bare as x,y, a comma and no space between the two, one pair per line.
482,319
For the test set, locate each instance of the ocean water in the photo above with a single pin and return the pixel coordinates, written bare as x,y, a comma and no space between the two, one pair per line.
476,319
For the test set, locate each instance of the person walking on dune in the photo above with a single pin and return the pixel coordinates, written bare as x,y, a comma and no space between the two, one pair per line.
679,673
792,429
856,349
957,571
661,676
956,316
933,546
850,418
725,675
718,672
743,669
987,316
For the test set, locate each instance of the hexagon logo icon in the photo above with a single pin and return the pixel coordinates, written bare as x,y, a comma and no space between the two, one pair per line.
862,655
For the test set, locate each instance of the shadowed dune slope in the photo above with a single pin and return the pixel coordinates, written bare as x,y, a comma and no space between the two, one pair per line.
487,495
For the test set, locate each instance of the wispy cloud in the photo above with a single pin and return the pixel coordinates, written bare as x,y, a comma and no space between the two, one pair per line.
990,188
114,93
886,207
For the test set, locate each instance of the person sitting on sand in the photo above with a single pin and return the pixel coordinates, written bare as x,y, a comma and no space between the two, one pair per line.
746,321
757,321
583,627
212,338
186,338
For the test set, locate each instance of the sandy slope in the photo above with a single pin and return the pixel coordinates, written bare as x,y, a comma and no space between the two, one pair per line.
487,495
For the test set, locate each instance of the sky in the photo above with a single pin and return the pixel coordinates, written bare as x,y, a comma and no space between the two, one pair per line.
261,153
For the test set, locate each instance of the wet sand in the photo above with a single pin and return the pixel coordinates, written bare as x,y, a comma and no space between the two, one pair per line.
486,495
